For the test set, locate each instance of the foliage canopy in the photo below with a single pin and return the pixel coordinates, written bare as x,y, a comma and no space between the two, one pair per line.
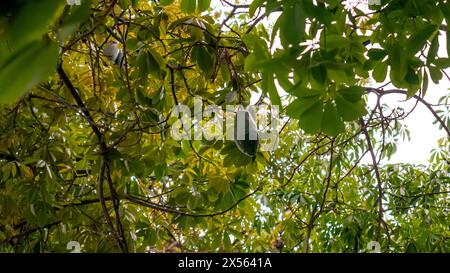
86,154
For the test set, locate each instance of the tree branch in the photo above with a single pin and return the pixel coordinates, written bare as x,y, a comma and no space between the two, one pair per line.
378,178
118,235
421,100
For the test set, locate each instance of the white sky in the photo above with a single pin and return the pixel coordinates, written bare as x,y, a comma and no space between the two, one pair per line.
424,134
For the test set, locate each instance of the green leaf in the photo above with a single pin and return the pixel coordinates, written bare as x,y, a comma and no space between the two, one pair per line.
203,5
398,63
442,63
336,41
254,6
448,42
257,44
204,59
376,54
349,111
418,39
380,71
424,83
142,64
319,73
252,63
219,185
194,202
411,248
143,99
292,24
306,93
300,106
311,120
282,76
436,74
33,20
270,87
352,94
155,62
331,122
77,15
259,55
226,241
26,68
188,6
183,197
151,237
412,78
150,62
433,50
225,71
124,4
165,2
318,12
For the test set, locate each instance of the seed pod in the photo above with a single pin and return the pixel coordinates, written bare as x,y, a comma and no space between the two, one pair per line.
114,54
279,244
111,51
246,133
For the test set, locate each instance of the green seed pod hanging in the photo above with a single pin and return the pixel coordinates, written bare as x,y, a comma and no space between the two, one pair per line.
246,133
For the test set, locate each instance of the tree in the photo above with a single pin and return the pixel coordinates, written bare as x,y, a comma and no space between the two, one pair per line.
87,95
